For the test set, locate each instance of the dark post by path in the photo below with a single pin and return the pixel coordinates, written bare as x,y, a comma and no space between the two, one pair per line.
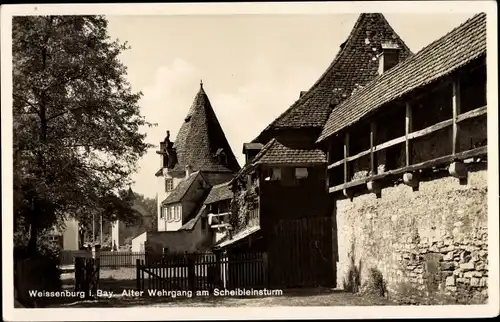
87,274
265,263
218,269
191,274
94,270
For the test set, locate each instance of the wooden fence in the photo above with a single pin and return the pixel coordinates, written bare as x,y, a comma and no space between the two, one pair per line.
203,272
109,259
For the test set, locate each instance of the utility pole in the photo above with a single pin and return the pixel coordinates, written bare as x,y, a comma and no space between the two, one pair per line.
93,229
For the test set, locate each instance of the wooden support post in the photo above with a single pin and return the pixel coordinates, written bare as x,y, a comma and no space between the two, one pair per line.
327,172
373,143
138,274
346,155
456,112
265,264
408,130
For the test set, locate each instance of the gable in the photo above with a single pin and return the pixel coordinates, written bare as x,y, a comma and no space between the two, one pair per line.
355,65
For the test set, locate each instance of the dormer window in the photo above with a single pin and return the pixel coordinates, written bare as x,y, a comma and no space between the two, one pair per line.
388,58
250,150
221,156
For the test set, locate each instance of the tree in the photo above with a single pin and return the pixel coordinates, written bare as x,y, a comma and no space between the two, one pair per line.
76,121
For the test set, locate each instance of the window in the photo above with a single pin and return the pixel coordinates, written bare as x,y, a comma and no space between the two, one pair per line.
162,212
169,184
177,213
301,173
276,174
170,213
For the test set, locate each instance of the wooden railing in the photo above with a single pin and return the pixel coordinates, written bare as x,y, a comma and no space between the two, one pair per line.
410,135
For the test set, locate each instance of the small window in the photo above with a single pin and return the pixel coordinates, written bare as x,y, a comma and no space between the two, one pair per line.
162,212
169,184
276,174
170,213
301,173
177,213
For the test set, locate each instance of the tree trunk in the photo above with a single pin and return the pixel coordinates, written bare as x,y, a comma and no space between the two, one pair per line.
32,243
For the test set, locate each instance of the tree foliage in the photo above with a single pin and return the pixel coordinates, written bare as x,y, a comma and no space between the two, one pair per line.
76,121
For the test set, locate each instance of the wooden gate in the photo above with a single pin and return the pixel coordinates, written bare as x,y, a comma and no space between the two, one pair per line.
193,272
87,276
300,253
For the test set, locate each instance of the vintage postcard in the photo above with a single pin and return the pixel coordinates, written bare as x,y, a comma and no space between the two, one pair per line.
250,160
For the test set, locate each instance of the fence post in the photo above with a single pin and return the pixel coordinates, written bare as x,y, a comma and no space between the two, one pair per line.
265,263
191,274
138,274
218,268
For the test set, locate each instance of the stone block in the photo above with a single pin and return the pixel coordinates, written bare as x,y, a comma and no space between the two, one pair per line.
474,281
477,274
447,266
447,249
448,256
467,266
469,274
483,282
445,274
450,281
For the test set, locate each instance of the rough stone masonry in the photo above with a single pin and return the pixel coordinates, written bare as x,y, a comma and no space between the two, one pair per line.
427,244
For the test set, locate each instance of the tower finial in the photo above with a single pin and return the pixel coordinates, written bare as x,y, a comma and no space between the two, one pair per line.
201,83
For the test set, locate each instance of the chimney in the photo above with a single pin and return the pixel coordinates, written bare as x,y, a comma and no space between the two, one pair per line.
188,171
388,58
302,93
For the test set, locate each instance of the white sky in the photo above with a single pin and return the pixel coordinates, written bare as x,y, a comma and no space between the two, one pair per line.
253,66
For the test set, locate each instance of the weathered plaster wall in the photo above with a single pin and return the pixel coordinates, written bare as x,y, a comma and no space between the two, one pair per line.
70,235
427,244
138,243
180,241
162,194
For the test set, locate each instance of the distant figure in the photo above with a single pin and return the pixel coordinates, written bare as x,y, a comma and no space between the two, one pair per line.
114,246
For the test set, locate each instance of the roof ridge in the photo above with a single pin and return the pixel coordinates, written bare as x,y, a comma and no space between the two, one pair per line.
364,22
323,75
387,76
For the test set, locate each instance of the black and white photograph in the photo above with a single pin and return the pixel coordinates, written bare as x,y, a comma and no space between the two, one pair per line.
250,160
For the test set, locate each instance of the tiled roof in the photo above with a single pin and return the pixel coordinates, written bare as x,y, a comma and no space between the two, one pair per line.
276,153
237,237
192,222
179,192
219,192
445,55
200,137
355,64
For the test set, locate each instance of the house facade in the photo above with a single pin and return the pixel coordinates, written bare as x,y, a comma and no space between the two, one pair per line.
280,204
411,194
68,236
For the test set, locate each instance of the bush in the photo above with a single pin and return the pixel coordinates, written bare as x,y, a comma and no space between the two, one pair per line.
352,281
375,284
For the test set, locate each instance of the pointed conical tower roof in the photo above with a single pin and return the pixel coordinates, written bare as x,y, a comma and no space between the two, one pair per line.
201,143
355,65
